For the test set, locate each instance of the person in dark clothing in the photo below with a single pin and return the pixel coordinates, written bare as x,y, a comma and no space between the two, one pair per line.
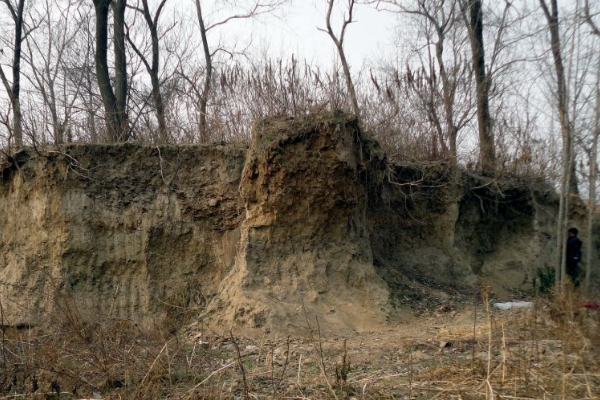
573,255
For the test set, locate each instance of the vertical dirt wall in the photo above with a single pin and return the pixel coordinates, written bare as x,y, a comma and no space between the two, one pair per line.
305,242
126,231
310,217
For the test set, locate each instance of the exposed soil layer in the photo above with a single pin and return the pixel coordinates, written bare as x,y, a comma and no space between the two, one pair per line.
125,230
310,217
305,243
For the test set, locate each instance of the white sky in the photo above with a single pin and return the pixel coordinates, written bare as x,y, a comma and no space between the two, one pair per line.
293,30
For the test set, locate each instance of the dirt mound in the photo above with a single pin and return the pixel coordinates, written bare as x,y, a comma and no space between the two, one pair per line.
305,241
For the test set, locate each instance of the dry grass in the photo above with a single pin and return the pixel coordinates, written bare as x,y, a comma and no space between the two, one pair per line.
549,351
392,102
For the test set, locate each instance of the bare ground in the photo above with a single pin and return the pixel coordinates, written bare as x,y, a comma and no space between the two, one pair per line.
550,351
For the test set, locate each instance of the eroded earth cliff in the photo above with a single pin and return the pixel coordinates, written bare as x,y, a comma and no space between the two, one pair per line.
310,217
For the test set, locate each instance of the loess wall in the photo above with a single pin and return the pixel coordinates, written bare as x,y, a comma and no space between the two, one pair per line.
121,229
309,217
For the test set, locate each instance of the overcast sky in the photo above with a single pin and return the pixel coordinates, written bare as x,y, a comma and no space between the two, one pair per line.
294,30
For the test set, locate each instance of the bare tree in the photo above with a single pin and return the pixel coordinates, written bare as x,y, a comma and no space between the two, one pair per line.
569,178
46,57
102,8
203,100
256,8
439,20
79,68
443,23
338,40
153,66
91,101
487,150
593,161
592,180
14,89
444,77
114,101
120,78
562,94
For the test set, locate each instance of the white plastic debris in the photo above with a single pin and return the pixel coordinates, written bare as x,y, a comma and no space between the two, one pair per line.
513,304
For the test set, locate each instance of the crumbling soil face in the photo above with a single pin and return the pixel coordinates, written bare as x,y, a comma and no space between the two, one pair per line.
309,220
129,231
435,230
305,242
412,224
506,229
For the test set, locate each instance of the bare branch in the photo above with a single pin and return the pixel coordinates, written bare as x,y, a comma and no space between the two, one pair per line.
11,9
257,9
588,19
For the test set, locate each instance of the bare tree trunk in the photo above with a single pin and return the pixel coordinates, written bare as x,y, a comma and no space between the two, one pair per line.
561,90
593,157
569,177
564,215
156,94
567,214
92,127
17,122
593,177
487,151
203,103
16,69
57,128
119,7
591,209
13,90
339,44
561,236
88,97
102,74
153,67
448,97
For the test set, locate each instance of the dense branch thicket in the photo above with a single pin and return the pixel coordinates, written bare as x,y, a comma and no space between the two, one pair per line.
472,83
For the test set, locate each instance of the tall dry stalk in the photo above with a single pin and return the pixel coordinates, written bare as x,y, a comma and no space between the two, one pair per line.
486,300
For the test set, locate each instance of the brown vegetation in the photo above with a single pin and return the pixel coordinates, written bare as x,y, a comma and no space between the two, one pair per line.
550,350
